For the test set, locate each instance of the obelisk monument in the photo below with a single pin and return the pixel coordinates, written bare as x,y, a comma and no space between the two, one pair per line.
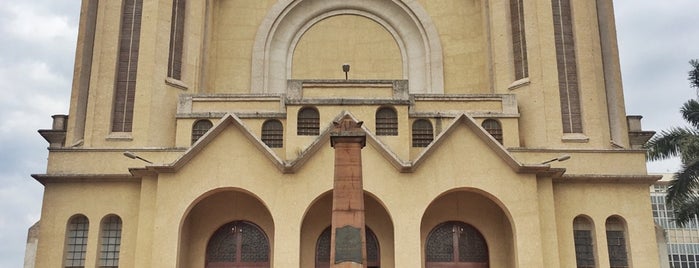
348,241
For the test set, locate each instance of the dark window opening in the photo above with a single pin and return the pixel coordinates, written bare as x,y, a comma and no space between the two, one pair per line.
423,134
386,122
308,122
273,134
493,128
200,128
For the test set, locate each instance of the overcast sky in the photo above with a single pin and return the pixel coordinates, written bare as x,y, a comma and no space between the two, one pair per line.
37,48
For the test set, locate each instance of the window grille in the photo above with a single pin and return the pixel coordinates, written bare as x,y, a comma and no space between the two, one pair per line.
584,253
238,244
493,127
422,133
200,128
125,88
584,242
273,134
455,244
176,39
386,122
308,122
76,241
111,242
616,243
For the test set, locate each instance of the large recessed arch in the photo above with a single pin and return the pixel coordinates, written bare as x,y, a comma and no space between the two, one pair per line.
213,209
318,216
479,209
287,20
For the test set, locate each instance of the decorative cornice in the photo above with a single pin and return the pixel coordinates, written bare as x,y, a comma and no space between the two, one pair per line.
607,178
60,178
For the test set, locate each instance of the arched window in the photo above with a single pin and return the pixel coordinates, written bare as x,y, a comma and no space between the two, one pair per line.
584,242
76,241
386,122
200,128
308,122
493,127
422,133
238,244
456,244
273,134
373,254
616,242
174,67
127,63
110,236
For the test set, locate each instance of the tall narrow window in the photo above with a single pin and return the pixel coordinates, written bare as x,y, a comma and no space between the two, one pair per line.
238,244
110,242
456,244
584,242
519,41
422,133
373,254
200,128
386,122
567,67
616,242
76,241
308,122
174,67
273,134
125,88
493,128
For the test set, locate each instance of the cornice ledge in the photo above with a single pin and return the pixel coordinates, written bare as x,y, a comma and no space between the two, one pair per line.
59,178
607,178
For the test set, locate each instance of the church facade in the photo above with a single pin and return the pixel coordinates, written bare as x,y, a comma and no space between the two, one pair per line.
200,134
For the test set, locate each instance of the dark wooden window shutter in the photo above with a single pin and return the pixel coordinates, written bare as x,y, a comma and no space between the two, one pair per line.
567,67
519,41
174,67
127,64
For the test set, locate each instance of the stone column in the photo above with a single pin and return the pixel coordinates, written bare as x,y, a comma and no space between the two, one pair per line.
348,241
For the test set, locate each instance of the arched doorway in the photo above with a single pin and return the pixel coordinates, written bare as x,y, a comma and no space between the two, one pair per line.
238,244
373,250
462,222
314,230
456,244
213,217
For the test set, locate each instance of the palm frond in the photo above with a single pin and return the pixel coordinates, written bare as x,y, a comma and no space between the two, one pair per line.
687,211
694,74
670,143
690,112
684,185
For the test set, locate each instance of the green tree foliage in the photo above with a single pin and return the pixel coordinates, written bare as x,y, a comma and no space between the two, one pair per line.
682,142
694,74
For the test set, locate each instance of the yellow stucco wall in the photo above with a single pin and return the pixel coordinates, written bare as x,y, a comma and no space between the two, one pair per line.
170,208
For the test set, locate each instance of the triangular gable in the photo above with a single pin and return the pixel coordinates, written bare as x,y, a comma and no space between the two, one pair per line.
462,120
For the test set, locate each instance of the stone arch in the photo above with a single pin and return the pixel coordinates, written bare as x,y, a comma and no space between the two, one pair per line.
318,217
213,209
288,19
479,209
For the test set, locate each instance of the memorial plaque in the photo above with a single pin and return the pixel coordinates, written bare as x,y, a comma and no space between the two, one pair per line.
348,244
